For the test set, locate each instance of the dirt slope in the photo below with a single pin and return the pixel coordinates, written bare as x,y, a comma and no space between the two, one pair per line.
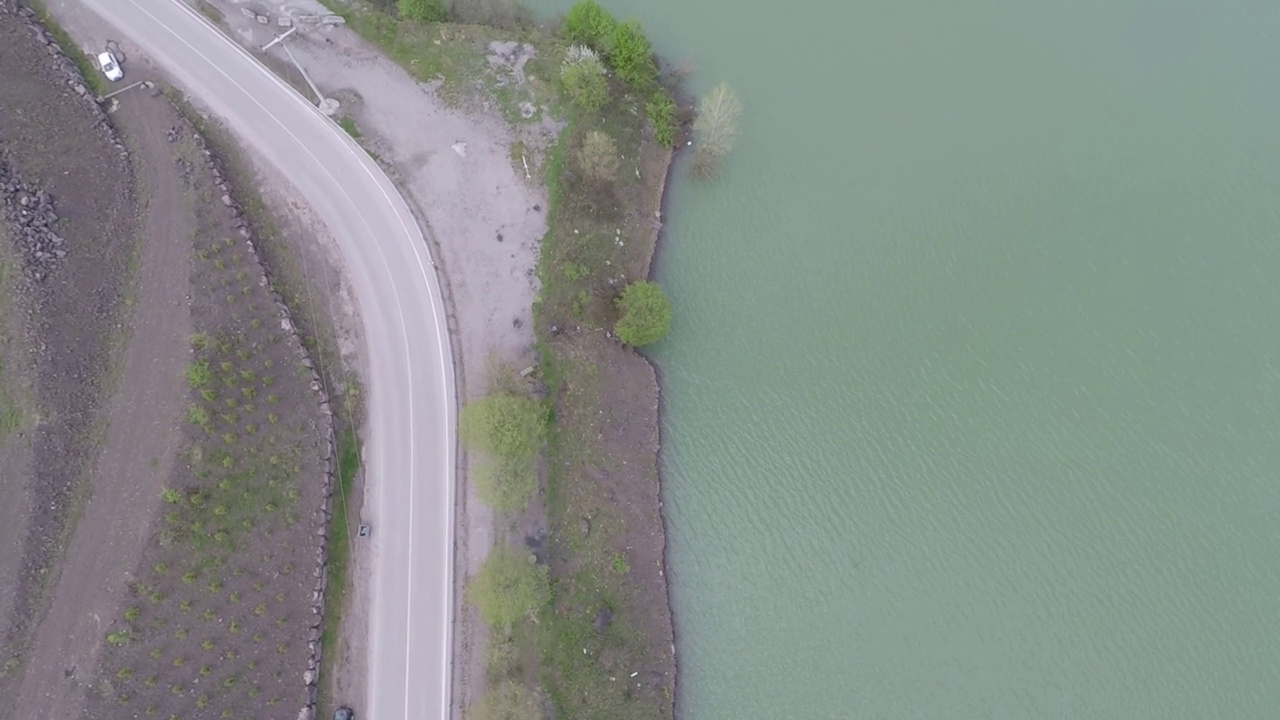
71,252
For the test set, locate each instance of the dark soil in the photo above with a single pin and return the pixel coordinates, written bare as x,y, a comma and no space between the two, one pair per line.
221,620
52,139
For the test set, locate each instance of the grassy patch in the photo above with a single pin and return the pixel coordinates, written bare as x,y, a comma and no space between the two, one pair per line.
210,11
580,662
454,55
348,124
339,555
10,411
441,52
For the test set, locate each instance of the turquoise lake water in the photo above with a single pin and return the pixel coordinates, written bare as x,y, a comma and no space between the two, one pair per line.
972,401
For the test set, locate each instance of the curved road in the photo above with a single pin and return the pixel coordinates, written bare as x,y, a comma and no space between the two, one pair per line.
409,457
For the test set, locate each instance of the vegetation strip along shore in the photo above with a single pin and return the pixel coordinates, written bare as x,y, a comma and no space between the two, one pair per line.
584,623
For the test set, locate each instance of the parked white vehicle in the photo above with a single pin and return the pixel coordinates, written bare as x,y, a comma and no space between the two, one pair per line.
109,66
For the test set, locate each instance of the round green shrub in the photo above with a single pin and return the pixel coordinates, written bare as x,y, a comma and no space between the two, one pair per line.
646,314
632,57
508,587
585,84
589,24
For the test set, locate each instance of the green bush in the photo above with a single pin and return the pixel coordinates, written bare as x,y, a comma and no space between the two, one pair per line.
501,656
661,110
509,427
422,10
632,57
589,24
585,84
198,374
506,484
508,587
197,415
507,700
646,314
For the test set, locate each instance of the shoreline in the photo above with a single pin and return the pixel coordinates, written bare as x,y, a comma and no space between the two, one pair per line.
660,238
631,474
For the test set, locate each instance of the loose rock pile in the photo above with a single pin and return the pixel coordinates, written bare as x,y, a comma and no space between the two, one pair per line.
29,212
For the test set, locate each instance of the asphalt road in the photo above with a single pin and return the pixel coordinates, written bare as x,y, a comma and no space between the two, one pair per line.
409,457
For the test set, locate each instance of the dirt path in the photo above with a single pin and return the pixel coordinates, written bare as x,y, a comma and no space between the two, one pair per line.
141,439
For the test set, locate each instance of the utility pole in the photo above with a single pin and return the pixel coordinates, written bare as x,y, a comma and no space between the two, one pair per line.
327,106
110,95
305,76
280,38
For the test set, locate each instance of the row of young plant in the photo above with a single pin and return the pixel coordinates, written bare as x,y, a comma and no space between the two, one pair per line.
290,281
216,624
